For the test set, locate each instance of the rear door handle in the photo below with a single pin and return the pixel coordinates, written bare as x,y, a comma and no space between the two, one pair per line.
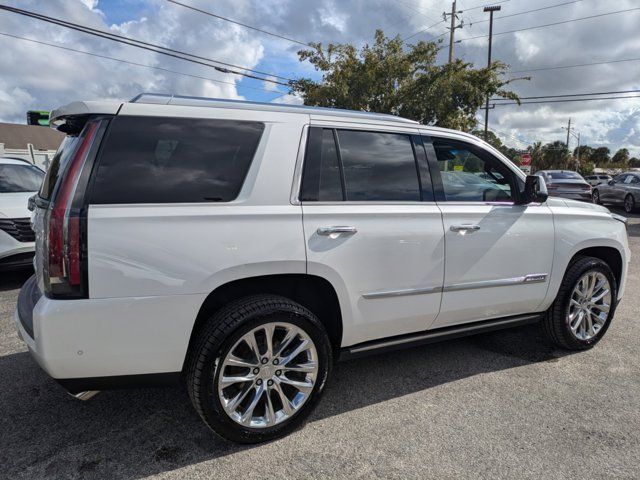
336,230
464,228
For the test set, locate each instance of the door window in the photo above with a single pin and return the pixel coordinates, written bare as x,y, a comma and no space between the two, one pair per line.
362,166
471,175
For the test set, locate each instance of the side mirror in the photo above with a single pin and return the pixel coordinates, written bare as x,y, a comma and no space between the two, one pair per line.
31,203
535,190
611,182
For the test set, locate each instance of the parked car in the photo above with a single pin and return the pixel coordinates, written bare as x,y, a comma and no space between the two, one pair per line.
566,184
622,190
242,248
594,180
18,181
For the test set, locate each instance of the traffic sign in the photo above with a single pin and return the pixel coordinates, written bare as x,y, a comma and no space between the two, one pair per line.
526,159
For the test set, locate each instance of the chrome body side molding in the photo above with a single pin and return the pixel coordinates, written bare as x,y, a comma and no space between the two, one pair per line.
455,287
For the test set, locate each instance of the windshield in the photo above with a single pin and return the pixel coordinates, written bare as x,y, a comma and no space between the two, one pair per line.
20,178
564,175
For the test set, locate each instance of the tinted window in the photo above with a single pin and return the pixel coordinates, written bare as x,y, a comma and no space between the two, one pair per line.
470,176
20,178
172,160
564,175
321,179
378,166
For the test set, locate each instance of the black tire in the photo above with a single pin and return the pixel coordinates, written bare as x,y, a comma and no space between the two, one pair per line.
220,334
629,203
555,324
596,197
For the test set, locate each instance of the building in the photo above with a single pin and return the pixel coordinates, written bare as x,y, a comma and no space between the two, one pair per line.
36,144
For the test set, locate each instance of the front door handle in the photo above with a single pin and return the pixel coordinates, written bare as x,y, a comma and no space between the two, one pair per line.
464,228
336,230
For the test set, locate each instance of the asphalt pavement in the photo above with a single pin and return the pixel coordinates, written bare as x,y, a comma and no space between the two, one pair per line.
499,405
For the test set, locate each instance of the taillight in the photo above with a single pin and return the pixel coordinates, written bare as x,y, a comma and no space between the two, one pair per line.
63,271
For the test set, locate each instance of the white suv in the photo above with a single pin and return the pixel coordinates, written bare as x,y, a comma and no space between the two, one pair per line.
243,248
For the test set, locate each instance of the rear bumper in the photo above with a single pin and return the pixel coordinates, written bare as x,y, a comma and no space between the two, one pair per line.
96,344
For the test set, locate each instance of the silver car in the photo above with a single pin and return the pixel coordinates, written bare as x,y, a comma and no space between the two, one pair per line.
623,189
594,180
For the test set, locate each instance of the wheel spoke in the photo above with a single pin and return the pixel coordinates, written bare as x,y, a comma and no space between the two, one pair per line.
226,381
304,345
235,361
575,326
287,407
589,325
302,386
269,330
308,367
270,413
250,339
248,414
288,338
602,293
231,405
603,307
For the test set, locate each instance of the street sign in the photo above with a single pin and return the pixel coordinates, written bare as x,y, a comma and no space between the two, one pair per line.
526,169
526,159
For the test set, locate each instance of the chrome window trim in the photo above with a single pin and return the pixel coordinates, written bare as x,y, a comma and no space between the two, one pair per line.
456,287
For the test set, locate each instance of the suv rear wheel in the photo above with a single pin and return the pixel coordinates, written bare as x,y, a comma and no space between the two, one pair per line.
258,368
584,307
629,203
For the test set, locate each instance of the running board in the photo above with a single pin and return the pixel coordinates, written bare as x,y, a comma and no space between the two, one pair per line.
432,336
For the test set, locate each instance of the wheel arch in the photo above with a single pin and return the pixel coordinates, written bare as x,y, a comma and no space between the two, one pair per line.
311,291
610,255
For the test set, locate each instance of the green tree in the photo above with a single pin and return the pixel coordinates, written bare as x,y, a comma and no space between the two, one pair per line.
601,156
386,77
621,157
584,152
493,140
634,162
552,156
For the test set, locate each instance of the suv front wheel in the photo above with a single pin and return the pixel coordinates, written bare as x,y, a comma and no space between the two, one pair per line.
258,368
584,307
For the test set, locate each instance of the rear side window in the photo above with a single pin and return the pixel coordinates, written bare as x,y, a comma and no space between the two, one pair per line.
378,166
174,160
361,166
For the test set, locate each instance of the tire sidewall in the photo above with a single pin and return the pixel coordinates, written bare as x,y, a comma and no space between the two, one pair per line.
596,197
593,265
633,203
214,412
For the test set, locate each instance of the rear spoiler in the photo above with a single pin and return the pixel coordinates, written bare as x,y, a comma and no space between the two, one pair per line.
59,117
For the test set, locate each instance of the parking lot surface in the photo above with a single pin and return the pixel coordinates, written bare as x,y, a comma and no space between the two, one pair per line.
499,405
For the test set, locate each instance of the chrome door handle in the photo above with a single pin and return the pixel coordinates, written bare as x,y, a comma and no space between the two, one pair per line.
336,230
464,228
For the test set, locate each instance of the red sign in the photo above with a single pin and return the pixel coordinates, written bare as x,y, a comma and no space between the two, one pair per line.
526,159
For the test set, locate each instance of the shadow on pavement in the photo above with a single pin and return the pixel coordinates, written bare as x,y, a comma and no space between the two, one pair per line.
135,433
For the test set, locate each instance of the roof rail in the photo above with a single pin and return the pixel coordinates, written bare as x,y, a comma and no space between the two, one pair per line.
169,99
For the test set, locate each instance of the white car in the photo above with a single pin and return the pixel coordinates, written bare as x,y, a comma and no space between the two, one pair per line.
242,248
19,180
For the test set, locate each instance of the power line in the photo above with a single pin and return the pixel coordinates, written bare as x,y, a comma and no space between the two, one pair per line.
556,67
424,30
137,64
568,100
147,46
220,17
571,95
531,11
414,9
551,24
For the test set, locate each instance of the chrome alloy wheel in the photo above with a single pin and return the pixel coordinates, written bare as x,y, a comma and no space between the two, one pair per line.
268,375
589,305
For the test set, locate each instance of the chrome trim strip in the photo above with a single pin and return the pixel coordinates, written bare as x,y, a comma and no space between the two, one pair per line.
297,173
401,293
501,282
456,287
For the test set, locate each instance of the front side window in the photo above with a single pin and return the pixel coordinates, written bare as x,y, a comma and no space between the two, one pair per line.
20,178
174,160
378,166
469,175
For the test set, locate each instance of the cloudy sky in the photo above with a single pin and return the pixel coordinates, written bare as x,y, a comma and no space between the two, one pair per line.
36,76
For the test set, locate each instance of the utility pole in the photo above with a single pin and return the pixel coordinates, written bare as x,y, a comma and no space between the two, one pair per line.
491,9
454,15
568,131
